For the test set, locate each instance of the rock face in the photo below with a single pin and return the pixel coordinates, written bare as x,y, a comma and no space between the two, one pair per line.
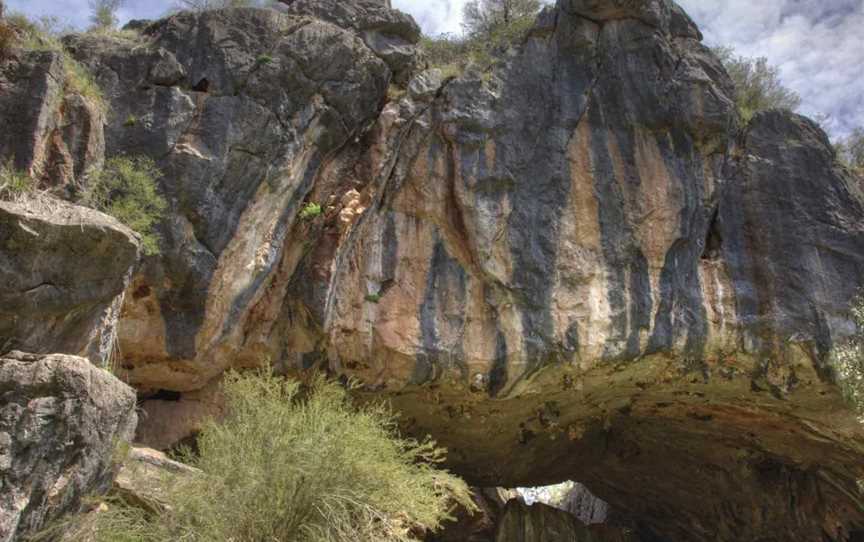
63,270
53,134
542,523
243,108
577,265
61,419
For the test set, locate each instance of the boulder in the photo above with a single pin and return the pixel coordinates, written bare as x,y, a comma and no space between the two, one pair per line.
542,523
146,478
63,270
61,422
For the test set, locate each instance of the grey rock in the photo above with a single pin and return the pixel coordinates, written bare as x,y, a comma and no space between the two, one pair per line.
542,523
425,85
655,13
264,101
63,270
391,34
61,420
54,135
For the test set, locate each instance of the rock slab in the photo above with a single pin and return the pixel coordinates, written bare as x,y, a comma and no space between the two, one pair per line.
61,421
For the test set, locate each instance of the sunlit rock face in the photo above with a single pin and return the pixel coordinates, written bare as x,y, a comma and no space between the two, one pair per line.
577,265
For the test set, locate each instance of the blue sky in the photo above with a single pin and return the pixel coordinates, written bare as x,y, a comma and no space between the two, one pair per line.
817,44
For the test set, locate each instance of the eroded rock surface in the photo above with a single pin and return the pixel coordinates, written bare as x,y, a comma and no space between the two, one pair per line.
61,421
542,523
53,134
576,265
63,271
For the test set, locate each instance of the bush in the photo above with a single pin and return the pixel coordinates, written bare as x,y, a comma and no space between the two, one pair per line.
850,150
757,84
14,184
480,43
292,466
310,211
848,362
126,189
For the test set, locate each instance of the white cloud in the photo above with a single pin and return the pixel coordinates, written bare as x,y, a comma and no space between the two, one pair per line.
817,44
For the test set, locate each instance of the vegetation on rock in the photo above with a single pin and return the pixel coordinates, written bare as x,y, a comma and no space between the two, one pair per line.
757,84
103,13
43,34
288,464
310,211
13,183
850,150
849,362
126,189
489,26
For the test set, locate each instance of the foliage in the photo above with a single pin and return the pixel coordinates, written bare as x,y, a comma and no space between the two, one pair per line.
103,13
757,84
43,34
373,298
848,362
126,189
850,150
288,465
14,184
490,27
310,211
490,19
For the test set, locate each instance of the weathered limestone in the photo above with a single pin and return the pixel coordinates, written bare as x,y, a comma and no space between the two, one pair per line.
63,270
61,422
54,135
577,265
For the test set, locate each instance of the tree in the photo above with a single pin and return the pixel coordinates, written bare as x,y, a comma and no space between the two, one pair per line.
850,150
490,18
103,13
757,84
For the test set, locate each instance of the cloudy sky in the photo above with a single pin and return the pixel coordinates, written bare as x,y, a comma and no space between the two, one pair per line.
817,44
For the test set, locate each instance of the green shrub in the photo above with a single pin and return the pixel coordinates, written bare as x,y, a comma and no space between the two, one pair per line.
373,298
848,361
126,189
453,53
263,60
310,211
288,465
14,184
757,84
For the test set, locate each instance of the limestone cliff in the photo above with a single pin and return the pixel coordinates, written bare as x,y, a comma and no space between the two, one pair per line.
579,264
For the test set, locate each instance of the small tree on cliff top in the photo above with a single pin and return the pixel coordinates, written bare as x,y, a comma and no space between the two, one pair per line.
757,84
103,13
489,19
